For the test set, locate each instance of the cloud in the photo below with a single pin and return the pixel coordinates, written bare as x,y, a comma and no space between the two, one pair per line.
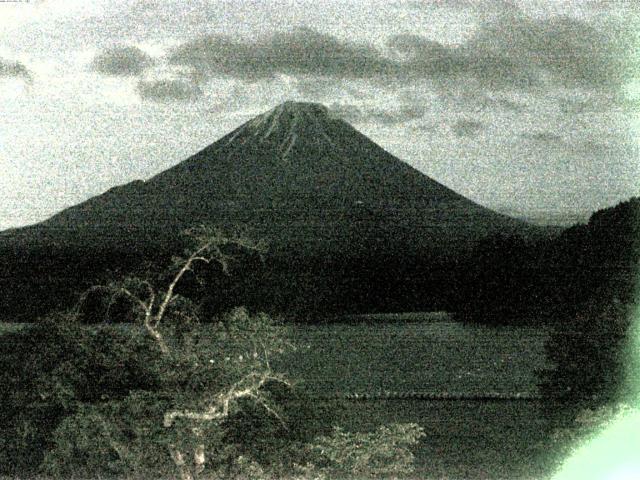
307,52
587,104
164,90
607,5
467,128
355,114
302,51
443,3
503,103
573,106
609,147
515,50
327,88
585,147
574,52
122,61
14,69
510,51
546,138
424,58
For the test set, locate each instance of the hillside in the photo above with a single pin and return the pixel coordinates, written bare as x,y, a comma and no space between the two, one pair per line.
594,262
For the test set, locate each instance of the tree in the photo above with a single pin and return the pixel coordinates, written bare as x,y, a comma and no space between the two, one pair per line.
247,370
590,359
170,394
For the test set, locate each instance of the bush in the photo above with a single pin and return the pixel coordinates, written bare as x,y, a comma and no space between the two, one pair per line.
589,356
51,369
385,452
585,426
167,394
91,401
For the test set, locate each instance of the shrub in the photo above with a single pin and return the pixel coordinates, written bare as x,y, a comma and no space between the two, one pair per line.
385,452
51,369
589,356
169,395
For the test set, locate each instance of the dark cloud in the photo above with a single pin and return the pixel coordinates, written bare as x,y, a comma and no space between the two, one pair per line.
14,69
121,61
322,88
347,112
306,52
584,148
576,53
427,127
168,90
355,114
511,51
467,128
514,50
607,5
610,148
424,58
503,103
572,106
302,51
547,138
455,4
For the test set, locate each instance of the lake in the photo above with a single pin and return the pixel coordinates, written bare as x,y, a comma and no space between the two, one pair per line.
465,439
431,356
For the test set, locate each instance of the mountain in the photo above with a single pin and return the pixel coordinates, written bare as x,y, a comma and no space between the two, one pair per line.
297,176
293,174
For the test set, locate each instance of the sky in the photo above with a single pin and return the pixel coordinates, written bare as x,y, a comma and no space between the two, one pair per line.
524,105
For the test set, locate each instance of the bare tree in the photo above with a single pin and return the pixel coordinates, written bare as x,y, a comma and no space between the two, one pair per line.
154,305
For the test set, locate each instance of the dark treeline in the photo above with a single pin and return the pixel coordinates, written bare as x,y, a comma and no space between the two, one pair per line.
514,280
584,285
503,279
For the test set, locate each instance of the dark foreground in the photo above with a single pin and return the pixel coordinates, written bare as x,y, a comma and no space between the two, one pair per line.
466,439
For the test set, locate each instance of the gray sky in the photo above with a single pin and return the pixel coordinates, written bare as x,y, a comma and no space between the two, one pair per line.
526,105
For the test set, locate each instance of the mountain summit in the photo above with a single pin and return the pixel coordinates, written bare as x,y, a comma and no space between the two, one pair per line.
288,121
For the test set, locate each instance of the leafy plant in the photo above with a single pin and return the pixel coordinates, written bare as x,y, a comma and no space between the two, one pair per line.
385,452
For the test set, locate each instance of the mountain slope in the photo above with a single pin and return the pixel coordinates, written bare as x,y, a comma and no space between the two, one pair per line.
295,175
336,209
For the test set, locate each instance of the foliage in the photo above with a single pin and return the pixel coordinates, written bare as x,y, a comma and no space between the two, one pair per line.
385,452
586,424
49,369
167,395
589,356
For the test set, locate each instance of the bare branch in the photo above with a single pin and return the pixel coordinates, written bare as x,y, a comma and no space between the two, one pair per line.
224,401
